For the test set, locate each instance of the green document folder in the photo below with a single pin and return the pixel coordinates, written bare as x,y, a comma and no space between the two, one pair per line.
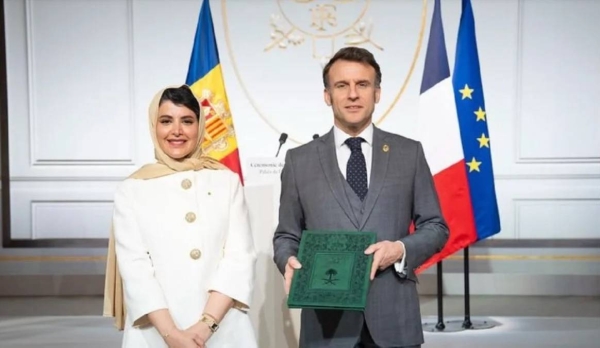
335,270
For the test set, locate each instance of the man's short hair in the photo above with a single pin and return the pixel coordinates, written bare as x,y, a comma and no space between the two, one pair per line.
353,54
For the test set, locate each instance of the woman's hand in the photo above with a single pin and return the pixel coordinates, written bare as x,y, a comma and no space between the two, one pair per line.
201,331
184,339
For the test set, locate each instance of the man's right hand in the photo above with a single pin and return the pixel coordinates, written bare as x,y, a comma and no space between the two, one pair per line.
291,265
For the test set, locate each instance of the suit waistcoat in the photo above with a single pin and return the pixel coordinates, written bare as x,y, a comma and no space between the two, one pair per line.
358,206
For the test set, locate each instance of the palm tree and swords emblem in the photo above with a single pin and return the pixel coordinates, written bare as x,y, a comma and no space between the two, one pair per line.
332,272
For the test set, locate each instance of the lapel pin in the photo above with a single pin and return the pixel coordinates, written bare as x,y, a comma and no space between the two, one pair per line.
386,148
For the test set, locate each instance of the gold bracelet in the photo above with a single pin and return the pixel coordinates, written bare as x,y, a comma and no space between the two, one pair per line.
210,316
166,335
210,321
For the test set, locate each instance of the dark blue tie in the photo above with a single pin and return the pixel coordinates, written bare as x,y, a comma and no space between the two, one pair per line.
356,169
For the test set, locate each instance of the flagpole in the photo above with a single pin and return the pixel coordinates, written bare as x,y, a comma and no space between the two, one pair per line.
441,326
440,299
467,323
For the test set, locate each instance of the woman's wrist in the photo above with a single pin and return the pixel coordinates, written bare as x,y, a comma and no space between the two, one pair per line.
170,333
210,321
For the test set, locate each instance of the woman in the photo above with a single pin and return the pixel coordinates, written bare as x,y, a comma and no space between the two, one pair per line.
182,238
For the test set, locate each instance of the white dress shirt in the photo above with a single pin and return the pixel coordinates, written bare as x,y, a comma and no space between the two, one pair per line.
343,152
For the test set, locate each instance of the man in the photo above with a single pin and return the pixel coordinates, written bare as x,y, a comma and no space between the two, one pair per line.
358,177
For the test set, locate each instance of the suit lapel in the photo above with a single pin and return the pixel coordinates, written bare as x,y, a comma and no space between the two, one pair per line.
331,168
379,169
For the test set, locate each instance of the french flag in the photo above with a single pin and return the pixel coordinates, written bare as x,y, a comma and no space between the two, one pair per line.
450,114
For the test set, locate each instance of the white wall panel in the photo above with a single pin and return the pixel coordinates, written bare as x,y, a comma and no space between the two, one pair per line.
548,208
61,209
80,56
559,118
554,218
74,219
17,85
71,88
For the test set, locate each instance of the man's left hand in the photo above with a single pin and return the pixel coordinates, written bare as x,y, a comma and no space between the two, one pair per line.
386,253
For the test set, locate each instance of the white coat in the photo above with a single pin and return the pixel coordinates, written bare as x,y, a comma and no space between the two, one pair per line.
177,238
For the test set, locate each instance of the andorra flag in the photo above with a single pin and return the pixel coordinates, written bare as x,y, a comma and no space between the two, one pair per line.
454,133
206,81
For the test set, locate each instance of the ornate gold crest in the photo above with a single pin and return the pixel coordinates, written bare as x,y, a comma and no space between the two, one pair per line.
278,64
322,22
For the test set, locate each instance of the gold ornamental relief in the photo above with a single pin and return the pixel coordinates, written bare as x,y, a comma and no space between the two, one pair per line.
278,59
323,23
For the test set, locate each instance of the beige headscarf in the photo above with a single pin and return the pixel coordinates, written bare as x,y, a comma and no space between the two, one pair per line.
113,287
